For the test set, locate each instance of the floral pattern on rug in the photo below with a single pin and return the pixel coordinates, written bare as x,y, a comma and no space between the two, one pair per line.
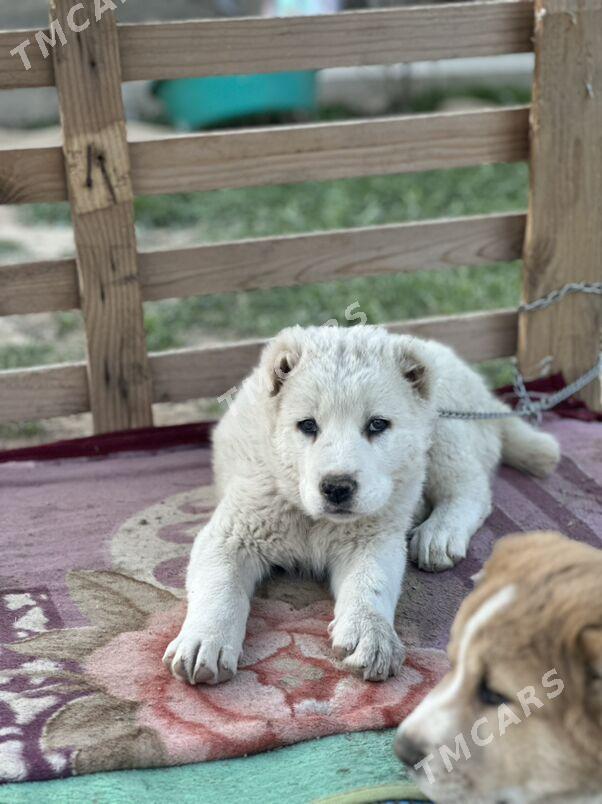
124,709
32,689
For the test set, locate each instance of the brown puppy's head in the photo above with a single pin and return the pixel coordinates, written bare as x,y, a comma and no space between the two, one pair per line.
519,716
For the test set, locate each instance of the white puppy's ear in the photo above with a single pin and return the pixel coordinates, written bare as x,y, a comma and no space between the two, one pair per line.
414,368
280,358
284,364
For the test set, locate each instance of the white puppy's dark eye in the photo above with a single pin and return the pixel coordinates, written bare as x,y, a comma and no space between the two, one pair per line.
490,697
377,425
308,426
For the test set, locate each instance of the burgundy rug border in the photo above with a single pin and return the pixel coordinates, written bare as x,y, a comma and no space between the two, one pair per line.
199,433
144,439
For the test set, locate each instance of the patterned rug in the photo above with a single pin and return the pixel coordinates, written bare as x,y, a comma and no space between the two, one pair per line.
93,555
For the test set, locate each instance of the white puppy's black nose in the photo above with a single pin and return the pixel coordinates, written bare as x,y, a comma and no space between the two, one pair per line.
338,489
409,751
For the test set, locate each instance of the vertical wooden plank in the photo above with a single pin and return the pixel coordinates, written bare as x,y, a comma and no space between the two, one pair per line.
88,78
564,227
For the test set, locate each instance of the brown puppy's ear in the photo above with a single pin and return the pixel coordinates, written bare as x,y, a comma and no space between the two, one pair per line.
591,644
591,640
478,577
280,358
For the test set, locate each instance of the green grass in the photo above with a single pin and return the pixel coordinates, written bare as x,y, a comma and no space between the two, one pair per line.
10,248
287,209
58,213
383,299
60,342
319,206
269,211
23,430
234,214
30,354
266,211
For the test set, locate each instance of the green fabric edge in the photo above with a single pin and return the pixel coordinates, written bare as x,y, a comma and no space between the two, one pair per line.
370,795
298,774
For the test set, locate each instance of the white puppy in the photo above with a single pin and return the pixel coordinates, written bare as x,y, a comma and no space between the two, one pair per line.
330,453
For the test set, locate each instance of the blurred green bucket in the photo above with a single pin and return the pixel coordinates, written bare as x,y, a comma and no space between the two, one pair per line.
193,103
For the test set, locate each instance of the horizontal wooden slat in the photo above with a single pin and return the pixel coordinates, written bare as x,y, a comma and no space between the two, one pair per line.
176,373
475,336
281,261
210,372
327,151
38,287
43,393
27,394
29,175
238,46
289,154
385,36
13,74
303,259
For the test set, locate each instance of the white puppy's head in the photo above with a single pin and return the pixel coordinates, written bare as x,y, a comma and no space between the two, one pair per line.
352,415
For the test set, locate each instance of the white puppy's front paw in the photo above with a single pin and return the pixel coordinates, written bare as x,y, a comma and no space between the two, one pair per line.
435,550
203,655
368,645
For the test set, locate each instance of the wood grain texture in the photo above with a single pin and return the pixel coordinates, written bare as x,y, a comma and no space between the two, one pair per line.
43,393
29,394
39,287
564,231
31,175
327,256
98,172
475,336
288,154
238,46
281,261
384,36
13,74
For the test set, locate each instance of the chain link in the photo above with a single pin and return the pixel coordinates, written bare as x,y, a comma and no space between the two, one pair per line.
556,295
528,407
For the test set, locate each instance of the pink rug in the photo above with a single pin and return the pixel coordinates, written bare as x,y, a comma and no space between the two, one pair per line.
93,555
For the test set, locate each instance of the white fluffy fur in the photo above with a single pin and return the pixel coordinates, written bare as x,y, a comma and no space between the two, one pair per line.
424,472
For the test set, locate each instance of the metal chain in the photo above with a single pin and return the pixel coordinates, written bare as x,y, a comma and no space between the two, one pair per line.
528,407
556,295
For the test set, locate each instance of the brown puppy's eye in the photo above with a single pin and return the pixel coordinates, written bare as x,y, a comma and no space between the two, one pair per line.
489,697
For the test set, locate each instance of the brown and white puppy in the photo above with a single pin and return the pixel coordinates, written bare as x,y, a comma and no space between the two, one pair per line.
519,716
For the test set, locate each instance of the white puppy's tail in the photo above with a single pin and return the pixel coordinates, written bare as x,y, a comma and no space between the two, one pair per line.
529,449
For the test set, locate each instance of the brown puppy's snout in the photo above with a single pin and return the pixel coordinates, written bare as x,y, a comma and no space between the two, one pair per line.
338,489
408,750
